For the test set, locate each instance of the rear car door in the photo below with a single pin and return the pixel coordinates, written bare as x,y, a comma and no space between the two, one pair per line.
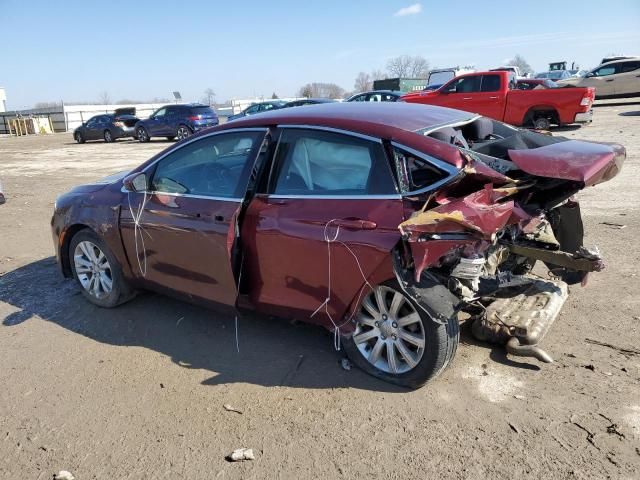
327,220
489,101
180,234
628,81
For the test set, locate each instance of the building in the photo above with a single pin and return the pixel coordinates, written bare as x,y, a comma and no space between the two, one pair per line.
3,100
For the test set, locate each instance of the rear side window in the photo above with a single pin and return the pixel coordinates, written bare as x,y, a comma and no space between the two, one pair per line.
629,67
605,71
414,172
490,83
314,162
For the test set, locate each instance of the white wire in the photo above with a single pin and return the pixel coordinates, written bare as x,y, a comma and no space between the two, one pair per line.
327,300
138,232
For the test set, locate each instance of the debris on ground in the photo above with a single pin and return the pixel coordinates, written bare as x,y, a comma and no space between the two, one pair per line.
624,351
63,475
345,364
514,428
590,367
240,455
619,226
229,408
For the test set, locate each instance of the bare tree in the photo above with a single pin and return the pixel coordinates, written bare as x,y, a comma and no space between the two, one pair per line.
406,66
47,104
363,82
104,98
379,75
274,96
321,90
210,95
522,64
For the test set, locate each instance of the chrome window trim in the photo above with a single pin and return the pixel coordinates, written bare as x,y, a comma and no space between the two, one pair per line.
187,195
198,138
452,172
334,130
335,197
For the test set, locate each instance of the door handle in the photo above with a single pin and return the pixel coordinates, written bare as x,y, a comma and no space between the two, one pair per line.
218,218
355,224
493,98
466,98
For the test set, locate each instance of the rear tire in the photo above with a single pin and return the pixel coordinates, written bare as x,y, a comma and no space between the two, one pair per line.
440,341
142,135
80,138
183,132
96,270
541,123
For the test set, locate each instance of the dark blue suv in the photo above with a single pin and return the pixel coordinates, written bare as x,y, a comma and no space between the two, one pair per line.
173,121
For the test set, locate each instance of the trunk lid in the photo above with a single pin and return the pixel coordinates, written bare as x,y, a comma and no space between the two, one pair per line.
587,162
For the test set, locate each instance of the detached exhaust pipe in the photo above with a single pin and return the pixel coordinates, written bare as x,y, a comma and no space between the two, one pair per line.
514,348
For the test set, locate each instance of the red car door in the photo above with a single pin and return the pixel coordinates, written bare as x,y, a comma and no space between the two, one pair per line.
178,235
325,223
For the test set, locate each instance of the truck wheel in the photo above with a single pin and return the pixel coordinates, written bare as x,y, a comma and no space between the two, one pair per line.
396,341
541,123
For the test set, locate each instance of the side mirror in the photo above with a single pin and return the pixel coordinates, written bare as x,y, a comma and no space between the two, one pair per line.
136,182
590,75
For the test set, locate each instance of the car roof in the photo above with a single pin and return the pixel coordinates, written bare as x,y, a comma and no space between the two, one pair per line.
396,121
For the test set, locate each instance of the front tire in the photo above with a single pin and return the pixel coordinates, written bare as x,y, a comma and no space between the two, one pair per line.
80,138
108,137
142,135
396,341
97,271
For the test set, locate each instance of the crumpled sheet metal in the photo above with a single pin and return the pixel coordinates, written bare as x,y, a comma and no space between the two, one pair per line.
477,212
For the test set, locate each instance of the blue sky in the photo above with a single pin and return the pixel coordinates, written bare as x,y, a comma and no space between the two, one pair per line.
73,50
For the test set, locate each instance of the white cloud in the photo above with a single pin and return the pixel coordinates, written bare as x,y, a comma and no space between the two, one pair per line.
410,10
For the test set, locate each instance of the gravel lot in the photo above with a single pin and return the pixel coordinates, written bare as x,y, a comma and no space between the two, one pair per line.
138,392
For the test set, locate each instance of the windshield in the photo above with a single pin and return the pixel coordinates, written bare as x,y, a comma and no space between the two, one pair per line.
556,75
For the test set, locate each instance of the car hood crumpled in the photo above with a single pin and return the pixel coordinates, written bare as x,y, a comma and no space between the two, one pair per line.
587,162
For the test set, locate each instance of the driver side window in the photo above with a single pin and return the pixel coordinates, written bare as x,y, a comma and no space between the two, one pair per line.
605,71
465,85
213,166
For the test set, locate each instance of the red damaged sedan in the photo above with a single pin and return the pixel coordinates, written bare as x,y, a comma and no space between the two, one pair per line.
382,222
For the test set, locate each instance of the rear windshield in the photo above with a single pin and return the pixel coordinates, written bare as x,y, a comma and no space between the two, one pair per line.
208,111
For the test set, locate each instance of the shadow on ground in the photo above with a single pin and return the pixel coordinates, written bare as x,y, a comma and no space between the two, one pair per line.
272,351
634,113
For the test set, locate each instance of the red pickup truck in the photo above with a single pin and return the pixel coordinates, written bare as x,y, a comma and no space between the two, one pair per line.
495,95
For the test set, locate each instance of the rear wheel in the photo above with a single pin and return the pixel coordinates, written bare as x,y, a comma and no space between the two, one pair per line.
397,341
79,138
541,123
97,271
108,137
183,132
142,135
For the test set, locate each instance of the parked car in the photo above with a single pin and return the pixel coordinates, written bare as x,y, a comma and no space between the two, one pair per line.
308,101
535,84
376,96
108,127
258,108
617,79
554,75
2,199
495,95
178,120
379,221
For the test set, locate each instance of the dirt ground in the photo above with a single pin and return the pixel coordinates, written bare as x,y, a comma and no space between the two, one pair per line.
138,392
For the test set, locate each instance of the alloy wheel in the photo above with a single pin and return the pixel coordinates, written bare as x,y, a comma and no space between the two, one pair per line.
93,269
183,132
142,135
389,331
107,136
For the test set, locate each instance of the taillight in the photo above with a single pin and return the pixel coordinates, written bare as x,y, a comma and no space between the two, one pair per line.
118,124
194,117
586,101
